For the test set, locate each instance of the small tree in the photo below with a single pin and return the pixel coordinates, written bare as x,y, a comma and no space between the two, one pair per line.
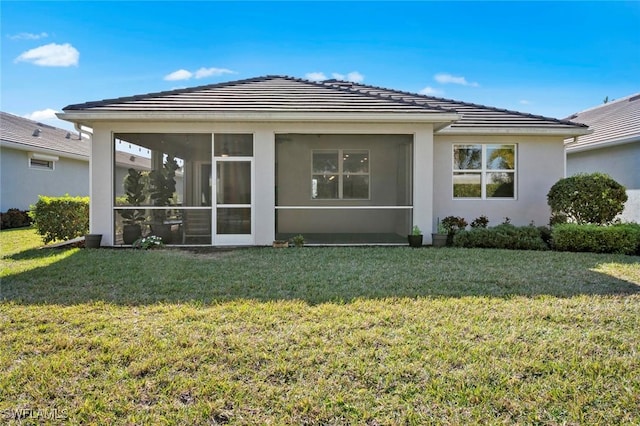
134,189
586,198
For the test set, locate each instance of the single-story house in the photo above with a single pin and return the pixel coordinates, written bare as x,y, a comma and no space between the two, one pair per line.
613,147
39,159
272,157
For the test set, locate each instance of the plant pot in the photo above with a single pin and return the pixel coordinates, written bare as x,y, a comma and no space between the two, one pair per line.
92,240
163,231
280,243
439,240
415,240
130,233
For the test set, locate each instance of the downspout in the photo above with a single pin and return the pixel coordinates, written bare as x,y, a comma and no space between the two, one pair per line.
575,139
78,128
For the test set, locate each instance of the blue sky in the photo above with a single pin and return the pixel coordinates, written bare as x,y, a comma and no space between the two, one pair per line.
548,58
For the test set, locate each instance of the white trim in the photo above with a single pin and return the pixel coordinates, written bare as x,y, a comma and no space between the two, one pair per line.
344,207
43,157
46,151
588,146
418,116
47,166
513,131
483,171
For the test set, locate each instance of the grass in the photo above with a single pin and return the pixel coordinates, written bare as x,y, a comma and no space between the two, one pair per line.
318,336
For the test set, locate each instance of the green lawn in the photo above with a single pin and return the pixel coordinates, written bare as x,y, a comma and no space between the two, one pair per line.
317,336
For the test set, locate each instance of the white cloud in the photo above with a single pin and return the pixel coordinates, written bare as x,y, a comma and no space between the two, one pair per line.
28,36
315,76
208,72
444,78
51,55
183,74
353,76
45,114
430,91
179,75
524,102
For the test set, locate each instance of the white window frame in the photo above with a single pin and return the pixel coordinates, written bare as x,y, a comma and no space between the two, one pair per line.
42,161
341,173
483,171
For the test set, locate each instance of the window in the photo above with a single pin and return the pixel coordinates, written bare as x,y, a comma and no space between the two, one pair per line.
40,164
484,171
340,174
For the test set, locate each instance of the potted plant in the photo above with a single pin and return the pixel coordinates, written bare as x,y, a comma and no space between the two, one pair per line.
415,238
298,240
162,189
134,189
439,238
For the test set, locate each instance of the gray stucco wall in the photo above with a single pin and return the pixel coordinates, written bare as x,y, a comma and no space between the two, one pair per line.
621,162
540,164
21,184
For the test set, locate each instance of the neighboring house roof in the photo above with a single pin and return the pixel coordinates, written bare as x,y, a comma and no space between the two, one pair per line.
282,97
613,123
28,135
126,159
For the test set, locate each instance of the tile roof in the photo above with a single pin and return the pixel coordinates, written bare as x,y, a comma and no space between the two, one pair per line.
613,122
288,94
261,94
473,115
22,131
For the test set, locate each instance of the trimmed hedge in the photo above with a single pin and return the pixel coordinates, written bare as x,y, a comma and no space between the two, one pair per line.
15,218
61,218
624,238
504,236
586,198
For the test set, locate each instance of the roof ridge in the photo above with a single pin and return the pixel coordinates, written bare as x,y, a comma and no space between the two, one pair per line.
610,103
38,123
246,81
333,85
419,95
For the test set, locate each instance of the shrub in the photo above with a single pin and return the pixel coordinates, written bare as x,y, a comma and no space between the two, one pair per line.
453,224
61,218
480,222
545,234
14,218
624,238
504,236
586,198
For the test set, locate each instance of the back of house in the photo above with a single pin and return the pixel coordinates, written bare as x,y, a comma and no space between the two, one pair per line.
272,157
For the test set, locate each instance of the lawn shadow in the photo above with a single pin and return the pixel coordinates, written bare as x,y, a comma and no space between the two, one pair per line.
313,275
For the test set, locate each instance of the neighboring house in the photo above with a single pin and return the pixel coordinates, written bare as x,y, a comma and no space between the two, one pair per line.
38,159
272,157
612,148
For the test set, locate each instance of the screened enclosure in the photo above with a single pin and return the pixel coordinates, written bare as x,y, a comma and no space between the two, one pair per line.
182,187
344,189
